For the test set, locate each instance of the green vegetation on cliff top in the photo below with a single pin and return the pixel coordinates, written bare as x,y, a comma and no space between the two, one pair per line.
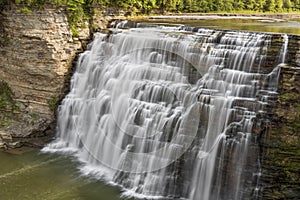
148,6
78,10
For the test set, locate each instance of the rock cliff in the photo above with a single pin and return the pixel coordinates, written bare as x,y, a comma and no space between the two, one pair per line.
36,54
281,143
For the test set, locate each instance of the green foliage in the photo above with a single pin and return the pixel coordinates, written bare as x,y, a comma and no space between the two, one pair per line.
228,5
270,5
78,10
238,5
2,3
75,14
202,6
279,6
24,10
7,101
52,103
34,116
148,5
8,105
296,5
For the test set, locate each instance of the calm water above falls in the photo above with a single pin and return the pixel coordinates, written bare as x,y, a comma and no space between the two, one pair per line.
169,112
291,26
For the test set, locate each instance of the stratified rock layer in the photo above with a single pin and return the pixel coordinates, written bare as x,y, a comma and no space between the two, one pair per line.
281,145
36,53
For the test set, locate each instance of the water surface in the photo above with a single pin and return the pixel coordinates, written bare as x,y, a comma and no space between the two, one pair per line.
34,176
257,25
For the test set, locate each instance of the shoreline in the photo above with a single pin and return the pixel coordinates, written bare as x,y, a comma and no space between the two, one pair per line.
276,17
265,23
212,17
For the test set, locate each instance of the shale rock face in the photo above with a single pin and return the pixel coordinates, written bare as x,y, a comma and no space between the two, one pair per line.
36,53
281,154
294,50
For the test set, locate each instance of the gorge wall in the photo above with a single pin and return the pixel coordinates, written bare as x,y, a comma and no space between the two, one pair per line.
281,155
36,54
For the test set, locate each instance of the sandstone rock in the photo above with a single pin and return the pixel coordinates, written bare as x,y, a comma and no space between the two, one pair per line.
84,32
37,51
281,155
14,144
5,136
2,145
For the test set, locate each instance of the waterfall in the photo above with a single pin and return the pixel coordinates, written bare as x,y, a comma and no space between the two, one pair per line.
284,48
169,111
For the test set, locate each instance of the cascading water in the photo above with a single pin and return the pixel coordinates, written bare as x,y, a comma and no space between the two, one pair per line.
284,48
169,112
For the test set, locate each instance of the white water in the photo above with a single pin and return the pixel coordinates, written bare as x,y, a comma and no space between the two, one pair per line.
284,48
165,112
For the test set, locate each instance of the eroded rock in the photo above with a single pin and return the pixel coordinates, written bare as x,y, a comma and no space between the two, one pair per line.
37,52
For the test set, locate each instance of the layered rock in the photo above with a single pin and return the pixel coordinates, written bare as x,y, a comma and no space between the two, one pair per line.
294,50
281,144
36,54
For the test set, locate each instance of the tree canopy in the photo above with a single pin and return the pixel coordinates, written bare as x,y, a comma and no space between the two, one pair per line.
147,6
78,10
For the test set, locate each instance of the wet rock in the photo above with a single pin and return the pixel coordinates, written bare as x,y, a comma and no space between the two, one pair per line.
5,136
2,145
280,177
14,144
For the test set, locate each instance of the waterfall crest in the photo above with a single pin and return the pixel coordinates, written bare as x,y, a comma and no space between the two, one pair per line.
169,111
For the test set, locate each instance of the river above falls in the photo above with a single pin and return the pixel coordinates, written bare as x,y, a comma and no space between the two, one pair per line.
256,24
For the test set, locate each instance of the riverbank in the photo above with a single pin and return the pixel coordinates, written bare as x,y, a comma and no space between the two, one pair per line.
211,16
281,23
203,16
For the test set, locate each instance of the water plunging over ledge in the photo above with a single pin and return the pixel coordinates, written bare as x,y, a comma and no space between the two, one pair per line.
171,112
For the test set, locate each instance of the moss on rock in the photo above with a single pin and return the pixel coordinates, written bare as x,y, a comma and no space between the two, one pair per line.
8,106
281,163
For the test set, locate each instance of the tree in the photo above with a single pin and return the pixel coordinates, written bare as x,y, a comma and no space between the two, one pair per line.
174,5
296,5
279,5
148,6
270,5
249,4
203,6
228,5
218,5
238,5
161,5
287,4
260,4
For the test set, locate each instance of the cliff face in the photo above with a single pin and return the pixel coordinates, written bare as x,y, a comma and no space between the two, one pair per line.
281,145
36,53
